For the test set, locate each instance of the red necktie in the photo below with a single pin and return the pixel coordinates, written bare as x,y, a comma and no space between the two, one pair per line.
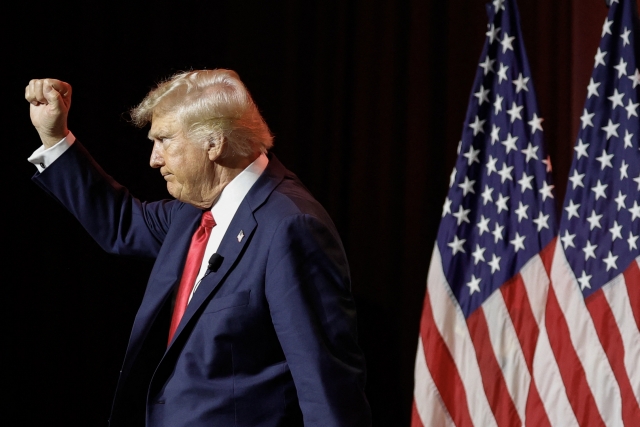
191,269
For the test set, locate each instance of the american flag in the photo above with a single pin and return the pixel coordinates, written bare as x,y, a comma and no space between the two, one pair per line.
593,308
488,280
500,343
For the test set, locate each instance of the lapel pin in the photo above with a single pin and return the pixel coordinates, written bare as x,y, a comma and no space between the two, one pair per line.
240,236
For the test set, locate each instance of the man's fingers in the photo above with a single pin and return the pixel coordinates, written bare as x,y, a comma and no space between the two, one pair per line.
33,92
45,91
36,91
29,94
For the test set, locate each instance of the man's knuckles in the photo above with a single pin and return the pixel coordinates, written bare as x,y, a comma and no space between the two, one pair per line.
46,90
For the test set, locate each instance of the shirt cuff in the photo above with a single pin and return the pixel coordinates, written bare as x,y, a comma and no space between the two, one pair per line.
43,157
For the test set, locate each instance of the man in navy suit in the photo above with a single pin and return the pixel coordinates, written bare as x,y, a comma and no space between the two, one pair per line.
268,335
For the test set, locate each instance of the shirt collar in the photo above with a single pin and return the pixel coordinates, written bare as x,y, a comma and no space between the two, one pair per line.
234,193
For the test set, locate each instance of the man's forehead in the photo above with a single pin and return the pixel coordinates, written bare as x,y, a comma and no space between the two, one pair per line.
163,125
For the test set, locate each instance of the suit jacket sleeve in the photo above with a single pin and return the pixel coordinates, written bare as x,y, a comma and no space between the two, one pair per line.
120,223
308,291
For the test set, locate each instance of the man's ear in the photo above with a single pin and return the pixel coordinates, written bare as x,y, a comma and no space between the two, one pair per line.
217,148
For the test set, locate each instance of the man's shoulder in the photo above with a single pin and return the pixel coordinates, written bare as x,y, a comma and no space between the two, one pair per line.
292,193
289,197
287,191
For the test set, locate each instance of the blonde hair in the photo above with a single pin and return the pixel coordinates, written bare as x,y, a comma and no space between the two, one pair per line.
211,105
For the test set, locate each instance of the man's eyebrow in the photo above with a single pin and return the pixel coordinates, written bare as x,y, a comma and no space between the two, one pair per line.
158,134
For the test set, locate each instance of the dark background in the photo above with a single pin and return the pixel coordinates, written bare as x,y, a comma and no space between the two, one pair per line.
366,100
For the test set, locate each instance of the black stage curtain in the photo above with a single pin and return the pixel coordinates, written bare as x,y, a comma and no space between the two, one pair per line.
366,100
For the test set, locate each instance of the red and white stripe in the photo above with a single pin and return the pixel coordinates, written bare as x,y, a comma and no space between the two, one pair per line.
534,354
596,341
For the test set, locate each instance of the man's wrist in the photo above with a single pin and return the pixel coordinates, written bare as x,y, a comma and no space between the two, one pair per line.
50,140
45,156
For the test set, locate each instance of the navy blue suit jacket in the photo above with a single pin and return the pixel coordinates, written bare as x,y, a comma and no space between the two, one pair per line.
269,339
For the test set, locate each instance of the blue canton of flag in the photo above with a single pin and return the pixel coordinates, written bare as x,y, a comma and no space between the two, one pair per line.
499,211
600,223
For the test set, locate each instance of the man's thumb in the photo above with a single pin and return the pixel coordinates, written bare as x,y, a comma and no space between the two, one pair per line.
52,95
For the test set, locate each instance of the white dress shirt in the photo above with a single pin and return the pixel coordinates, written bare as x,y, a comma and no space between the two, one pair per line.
223,210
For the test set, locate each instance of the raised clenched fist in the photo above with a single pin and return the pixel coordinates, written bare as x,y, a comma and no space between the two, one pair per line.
50,101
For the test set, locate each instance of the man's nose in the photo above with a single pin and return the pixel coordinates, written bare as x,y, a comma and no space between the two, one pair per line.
156,160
